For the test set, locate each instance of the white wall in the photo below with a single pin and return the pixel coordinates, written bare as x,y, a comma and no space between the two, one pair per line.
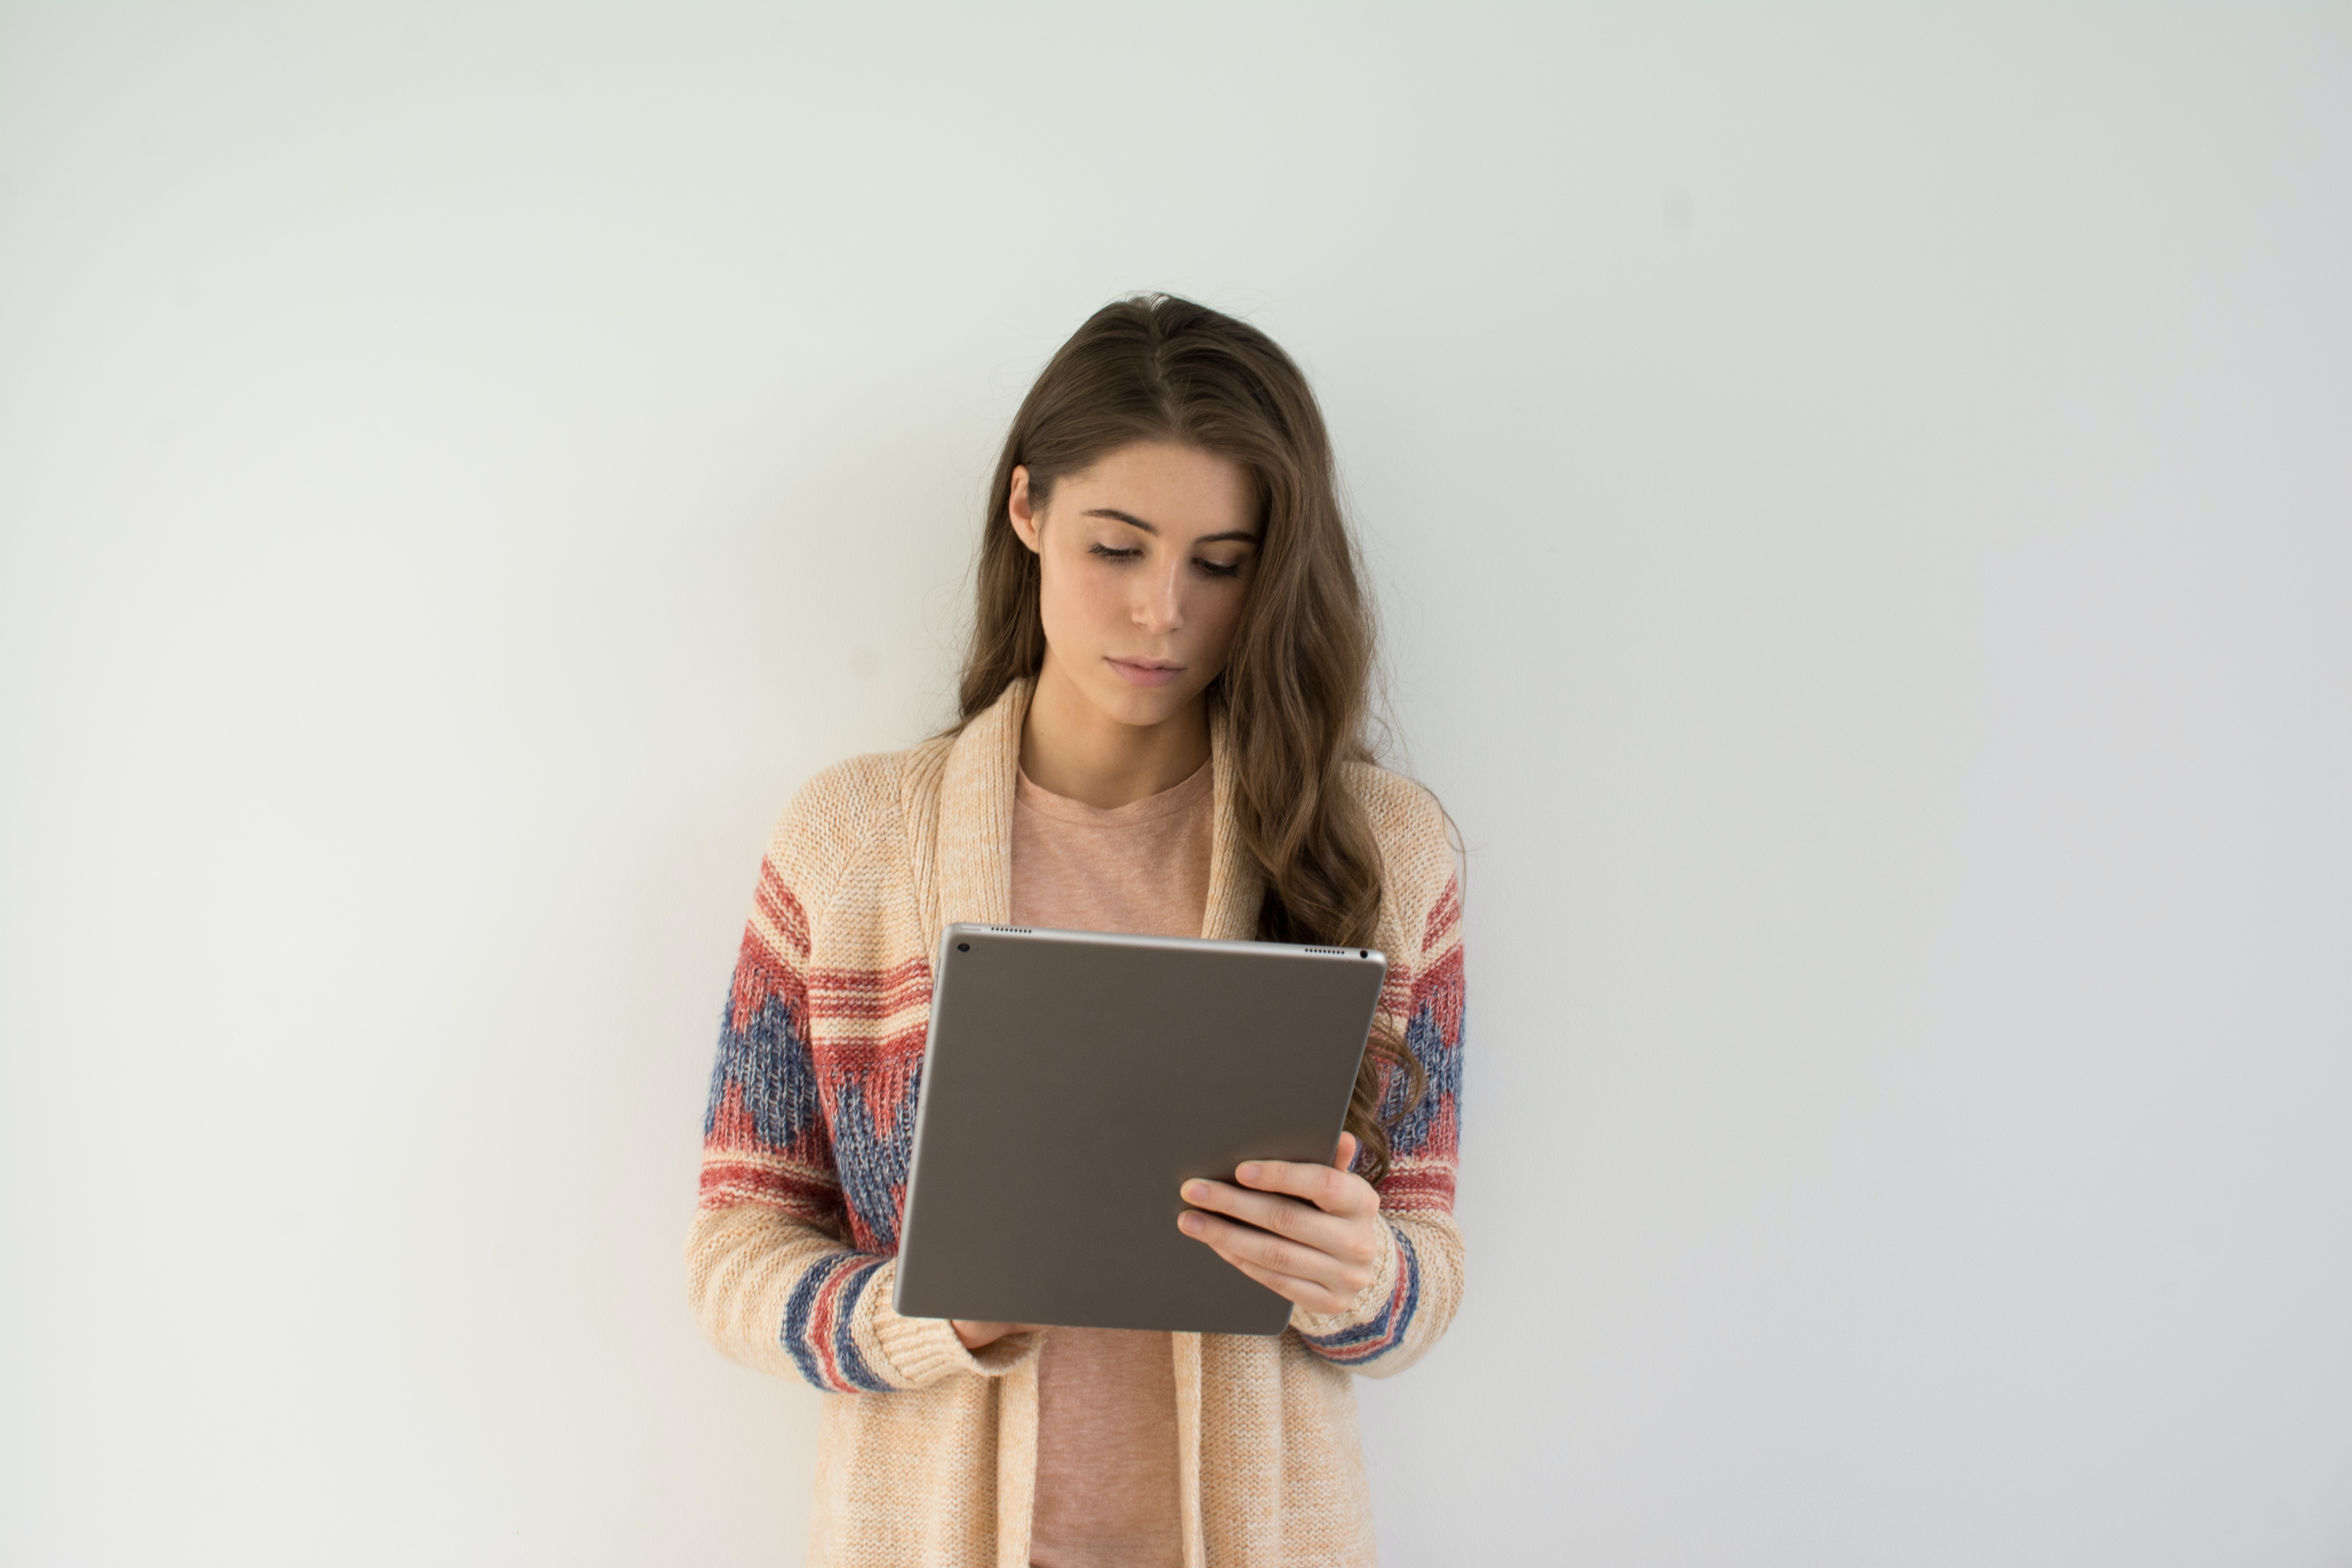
1864,507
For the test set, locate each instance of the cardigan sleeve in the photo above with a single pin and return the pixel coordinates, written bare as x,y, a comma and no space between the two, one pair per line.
1411,1299
771,1280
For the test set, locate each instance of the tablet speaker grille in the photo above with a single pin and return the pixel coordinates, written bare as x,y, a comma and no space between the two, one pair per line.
1334,952
1016,930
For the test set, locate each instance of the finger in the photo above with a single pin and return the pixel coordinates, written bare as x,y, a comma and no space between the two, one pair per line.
1343,1235
1328,1187
1346,1158
1306,1293
1247,1243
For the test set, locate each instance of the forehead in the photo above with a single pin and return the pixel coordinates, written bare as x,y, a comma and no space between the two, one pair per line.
1177,491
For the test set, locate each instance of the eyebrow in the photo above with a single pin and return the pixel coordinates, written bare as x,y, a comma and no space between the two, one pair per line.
1133,522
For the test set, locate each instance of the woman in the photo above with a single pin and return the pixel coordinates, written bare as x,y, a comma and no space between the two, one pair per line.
1162,731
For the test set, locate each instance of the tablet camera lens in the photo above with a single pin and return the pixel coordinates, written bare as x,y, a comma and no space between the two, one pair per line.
963,947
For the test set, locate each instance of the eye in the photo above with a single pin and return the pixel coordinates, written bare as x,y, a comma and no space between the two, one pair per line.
1109,553
1218,569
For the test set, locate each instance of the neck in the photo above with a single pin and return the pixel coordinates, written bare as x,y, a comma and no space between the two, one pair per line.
1073,749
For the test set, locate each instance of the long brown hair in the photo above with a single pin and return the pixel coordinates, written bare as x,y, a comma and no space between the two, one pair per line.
1297,686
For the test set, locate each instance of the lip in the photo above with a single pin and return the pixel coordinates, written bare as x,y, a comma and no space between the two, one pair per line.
1145,671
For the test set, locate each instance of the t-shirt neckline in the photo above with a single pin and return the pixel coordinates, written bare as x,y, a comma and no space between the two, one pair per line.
1176,799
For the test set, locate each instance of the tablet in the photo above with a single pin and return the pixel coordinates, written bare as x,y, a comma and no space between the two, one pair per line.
1074,1080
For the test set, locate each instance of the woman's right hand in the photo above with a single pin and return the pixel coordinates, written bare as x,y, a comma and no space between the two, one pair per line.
975,1335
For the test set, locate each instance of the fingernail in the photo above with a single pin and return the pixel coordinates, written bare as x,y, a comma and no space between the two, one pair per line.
1190,1225
1248,1173
1196,1191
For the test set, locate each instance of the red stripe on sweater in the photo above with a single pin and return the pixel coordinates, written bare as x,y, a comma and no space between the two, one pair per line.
870,993
762,976
1444,915
1445,1141
1420,1187
732,1125
727,1184
862,1055
775,900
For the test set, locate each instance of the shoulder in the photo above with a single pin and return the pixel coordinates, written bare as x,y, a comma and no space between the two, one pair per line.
1398,808
1411,828
848,811
1415,840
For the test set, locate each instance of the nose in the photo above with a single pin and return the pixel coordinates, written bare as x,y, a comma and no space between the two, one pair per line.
1159,605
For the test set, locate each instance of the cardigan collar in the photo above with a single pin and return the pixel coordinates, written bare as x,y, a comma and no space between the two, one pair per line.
972,852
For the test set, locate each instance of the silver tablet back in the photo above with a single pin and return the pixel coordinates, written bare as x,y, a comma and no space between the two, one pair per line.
1074,1080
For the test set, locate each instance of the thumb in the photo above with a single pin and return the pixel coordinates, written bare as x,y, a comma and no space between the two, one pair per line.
1346,1157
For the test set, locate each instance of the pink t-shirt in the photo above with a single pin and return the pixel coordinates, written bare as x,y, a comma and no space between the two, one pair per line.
1106,1462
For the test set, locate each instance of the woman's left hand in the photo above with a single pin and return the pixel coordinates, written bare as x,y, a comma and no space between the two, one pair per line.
1311,1233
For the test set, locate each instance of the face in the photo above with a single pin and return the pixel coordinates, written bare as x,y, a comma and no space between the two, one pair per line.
1144,559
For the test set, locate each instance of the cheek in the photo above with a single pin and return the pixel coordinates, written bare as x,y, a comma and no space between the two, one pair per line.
1217,611
1067,600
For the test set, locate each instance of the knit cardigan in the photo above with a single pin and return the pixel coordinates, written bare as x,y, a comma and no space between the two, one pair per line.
928,1451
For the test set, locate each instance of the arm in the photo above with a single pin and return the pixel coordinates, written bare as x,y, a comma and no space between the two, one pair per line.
1413,1296
1375,1274
773,1283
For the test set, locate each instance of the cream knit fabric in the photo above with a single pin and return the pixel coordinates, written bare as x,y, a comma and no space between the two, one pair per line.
926,1451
